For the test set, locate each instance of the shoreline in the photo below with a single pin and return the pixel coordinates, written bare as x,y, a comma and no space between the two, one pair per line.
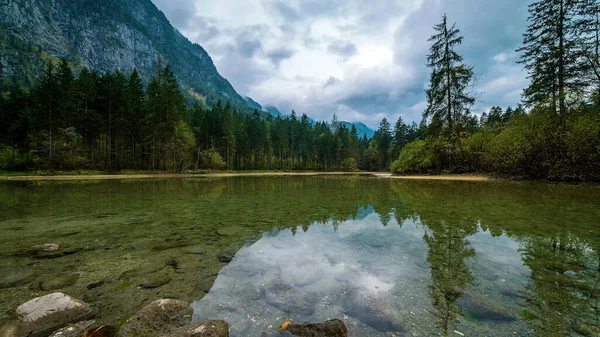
458,177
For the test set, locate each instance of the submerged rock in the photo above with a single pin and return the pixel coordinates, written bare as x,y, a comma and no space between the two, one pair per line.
45,314
198,250
103,331
226,256
289,299
206,284
155,281
47,251
11,329
375,309
16,279
228,231
59,281
217,328
158,318
331,328
484,308
95,285
73,330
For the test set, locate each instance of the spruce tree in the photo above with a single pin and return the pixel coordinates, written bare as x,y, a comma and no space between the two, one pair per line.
448,95
550,54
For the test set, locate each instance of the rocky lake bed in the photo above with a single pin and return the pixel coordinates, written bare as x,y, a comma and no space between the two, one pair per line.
388,258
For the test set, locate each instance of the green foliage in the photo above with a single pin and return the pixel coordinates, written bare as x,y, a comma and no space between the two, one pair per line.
414,158
349,165
211,160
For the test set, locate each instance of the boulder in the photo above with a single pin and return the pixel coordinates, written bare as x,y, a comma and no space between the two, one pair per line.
47,313
289,299
203,329
73,330
484,308
158,318
375,309
331,328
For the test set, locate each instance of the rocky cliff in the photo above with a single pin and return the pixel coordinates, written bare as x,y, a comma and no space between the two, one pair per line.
104,35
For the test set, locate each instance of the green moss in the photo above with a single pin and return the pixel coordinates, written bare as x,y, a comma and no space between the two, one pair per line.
123,285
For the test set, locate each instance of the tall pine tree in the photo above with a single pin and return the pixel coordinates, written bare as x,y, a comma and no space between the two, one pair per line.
448,95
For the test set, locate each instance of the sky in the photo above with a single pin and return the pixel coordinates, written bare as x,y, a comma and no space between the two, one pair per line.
361,59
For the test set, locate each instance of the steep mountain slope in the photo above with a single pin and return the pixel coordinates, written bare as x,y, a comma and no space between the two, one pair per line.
104,36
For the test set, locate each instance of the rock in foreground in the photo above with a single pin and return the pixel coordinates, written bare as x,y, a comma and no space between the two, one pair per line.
374,309
289,299
45,314
331,328
159,318
204,329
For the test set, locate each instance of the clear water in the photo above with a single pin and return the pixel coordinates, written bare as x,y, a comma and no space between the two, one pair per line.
388,257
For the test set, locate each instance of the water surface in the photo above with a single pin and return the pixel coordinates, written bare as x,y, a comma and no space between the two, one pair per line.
389,257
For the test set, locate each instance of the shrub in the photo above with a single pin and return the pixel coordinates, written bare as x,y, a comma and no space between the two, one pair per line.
414,158
210,159
349,165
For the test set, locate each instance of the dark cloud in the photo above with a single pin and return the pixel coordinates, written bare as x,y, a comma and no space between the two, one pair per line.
280,54
286,11
331,81
342,48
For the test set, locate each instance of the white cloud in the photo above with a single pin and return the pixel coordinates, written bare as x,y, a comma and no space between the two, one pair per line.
282,53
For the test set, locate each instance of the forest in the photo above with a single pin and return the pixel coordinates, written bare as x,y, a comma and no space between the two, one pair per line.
83,120
555,136
112,122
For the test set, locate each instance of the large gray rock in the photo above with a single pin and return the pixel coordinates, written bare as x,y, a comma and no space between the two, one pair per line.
47,313
375,309
158,318
331,328
203,329
289,299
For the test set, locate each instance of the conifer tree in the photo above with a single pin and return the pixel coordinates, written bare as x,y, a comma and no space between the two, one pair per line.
448,94
551,56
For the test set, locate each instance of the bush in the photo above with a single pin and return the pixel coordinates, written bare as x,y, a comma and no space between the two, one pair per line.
414,158
349,165
210,159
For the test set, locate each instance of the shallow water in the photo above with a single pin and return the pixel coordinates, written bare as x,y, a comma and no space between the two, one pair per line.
388,257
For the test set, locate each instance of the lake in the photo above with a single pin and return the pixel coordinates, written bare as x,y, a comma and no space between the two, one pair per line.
388,257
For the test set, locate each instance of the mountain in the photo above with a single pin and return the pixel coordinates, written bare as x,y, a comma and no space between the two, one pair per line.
253,104
106,35
273,111
361,129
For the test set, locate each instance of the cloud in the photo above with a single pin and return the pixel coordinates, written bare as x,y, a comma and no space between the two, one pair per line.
344,49
363,59
280,54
